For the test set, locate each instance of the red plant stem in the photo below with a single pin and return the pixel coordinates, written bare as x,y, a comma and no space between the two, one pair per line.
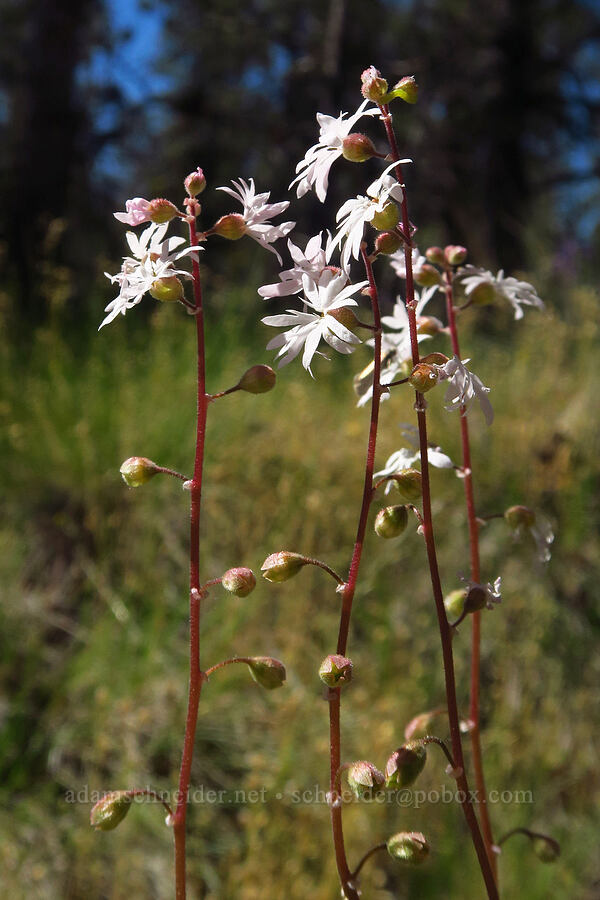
195,681
476,618
444,626
348,596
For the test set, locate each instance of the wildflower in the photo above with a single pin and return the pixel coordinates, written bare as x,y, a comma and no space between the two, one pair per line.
405,458
480,595
312,172
309,262
325,297
257,212
464,387
153,259
137,212
521,519
518,293
398,262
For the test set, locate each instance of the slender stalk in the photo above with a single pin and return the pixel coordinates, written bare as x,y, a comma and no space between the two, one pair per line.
428,533
348,596
195,677
473,525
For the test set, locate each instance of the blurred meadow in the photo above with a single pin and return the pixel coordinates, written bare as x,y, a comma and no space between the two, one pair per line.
93,615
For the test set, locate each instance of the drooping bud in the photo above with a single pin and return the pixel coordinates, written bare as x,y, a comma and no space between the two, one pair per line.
476,598
519,517
545,848
408,483
406,89
267,671
455,603
455,254
364,779
258,380
388,242
427,276
388,218
162,211
167,290
391,521
423,377
195,182
239,581
436,255
137,470
408,846
420,726
358,148
108,812
232,227
282,565
335,670
405,765
374,87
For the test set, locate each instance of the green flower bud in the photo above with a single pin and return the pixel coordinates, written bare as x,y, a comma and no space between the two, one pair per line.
364,779
455,254
406,89
427,276
282,565
108,812
436,255
239,581
258,380
388,218
429,325
483,294
423,377
519,517
266,671
137,470
405,765
391,521
546,848
408,483
162,211
408,846
335,670
195,182
455,603
388,242
374,87
358,148
167,290
232,227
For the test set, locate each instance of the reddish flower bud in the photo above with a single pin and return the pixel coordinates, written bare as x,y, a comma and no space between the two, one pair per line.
239,581
335,670
427,276
282,565
405,765
267,671
232,227
162,211
408,846
364,779
455,254
195,182
358,148
436,255
374,87
388,242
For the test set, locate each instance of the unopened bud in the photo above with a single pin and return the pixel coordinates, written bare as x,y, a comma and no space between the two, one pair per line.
108,812
455,254
436,255
406,89
405,765
374,87
546,848
239,581
519,517
408,846
358,148
167,290
232,227
266,671
408,483
195,182
388,242
346,317
282,565
423,377
427,276
420,726
364,779
137,470
162,211
335,670
435,359
475,599
455,603
387,218
429,325
391,521
258,380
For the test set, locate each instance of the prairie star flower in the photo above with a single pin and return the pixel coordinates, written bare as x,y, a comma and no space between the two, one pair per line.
518,293
464,387
312,172
153,258
137,212
398,262
406,457
327,296
257,212
309,262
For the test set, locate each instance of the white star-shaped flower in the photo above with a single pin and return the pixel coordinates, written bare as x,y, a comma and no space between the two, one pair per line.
326,297
309,262
153,258
257,212
518,293
406,457
312,172
464,387
398,262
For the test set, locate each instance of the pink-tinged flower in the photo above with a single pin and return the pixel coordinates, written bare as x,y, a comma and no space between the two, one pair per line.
153,259
464,387
518,293
312,172
328,296
257,212
310,262
398,262
137,212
